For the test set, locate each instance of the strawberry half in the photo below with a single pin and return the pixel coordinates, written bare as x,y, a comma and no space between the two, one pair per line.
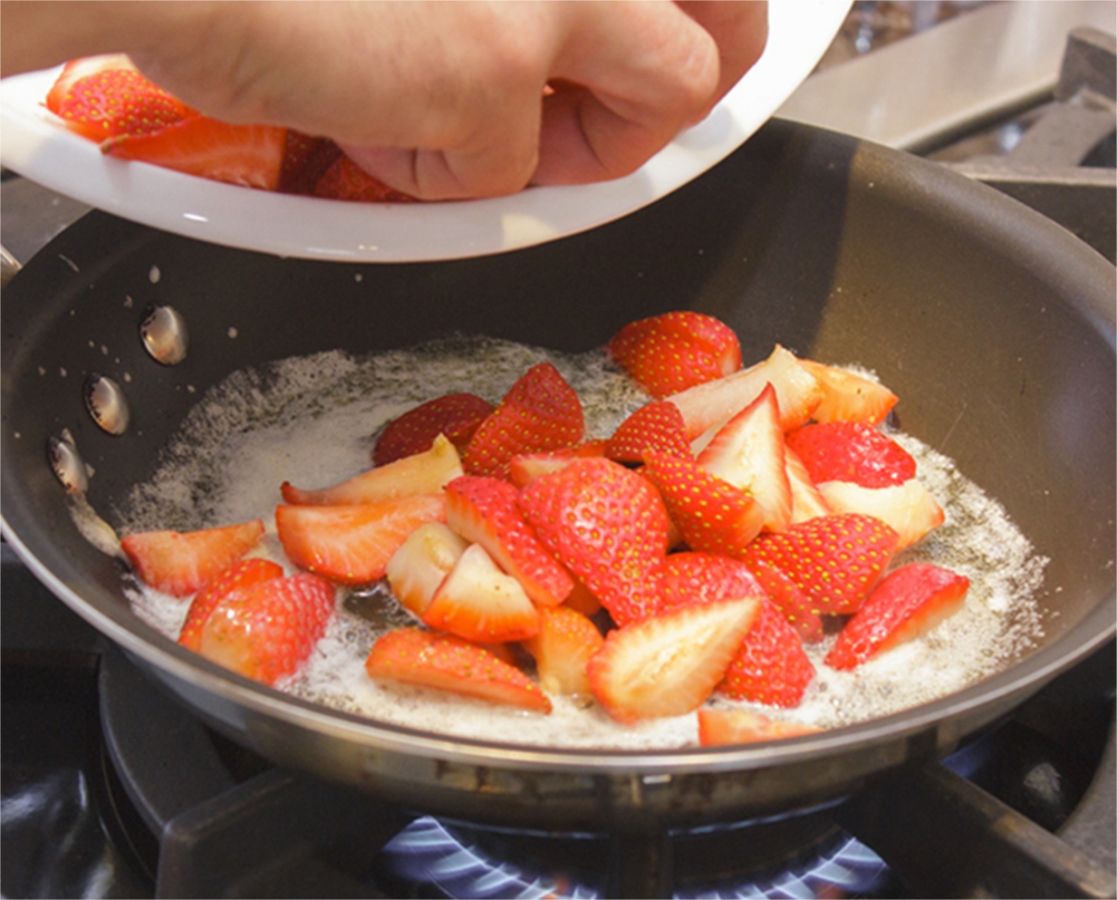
180,563
478,602
685,579
562,648
770,666
454,415
849,397
834,560
718,727
793,603
909,508
606,524
669,353
419,566
343,179
713,515
540,412
669,664
907,602
352,544
447,663
485,511
426,472
238,576
656,426
748,452
851,451
267,630
246,155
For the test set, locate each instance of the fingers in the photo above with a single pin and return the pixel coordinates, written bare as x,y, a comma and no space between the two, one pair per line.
740,30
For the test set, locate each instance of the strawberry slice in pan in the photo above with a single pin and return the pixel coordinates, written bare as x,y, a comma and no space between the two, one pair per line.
847,396
540,412
657,427
247,155
669,664
606,524
721,726
524,467
444,662
834,560
240,575
181,563
352,544
427,472
485,511
267,630
562,648
689,578
851,451
454,415
770,666
909,508
793,603
807,501
419,566
908,602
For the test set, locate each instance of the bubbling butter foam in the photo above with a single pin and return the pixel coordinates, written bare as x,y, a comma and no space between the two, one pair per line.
311,420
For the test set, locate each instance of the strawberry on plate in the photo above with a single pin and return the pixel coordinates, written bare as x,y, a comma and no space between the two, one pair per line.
834,560
606,524
671,352
267,630
770,666
426,472
419,566
847,396
562,648
180,563
485,511
247,155
748,452
669,664
908,602
713,515
909,508
106,97
343,179
722,726
444,662
851,451
238,576
479,602
352,544
656,426
524,467
305,158
454,415
540,412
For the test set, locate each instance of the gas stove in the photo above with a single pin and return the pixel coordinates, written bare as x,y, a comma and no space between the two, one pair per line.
110,788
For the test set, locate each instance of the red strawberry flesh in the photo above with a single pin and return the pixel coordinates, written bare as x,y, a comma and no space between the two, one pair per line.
851,451
454,415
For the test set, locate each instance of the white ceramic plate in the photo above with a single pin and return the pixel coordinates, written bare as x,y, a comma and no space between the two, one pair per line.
33,143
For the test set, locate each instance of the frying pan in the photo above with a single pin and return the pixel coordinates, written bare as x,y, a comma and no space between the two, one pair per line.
994,326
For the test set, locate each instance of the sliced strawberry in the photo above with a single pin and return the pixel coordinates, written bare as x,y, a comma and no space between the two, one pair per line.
238,576
454,415
485,511
343,179
247,155
447,663
669,664
907,602
305,159
181,563
352,544
713,515
721,727
421,563
582,600
541,412
606,524
793,603
685,579
851,451
266,631
657,426
748,452
849,397
770,666
834,560
478,602
427,472
909,508
564,644
669,353
807,501
708,406
107,97
524,467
